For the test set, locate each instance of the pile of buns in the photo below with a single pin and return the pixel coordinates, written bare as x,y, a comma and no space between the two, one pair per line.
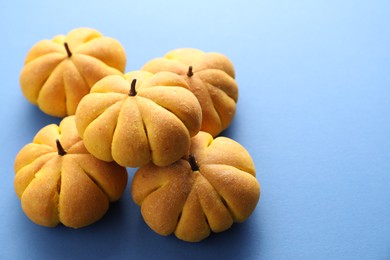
163,119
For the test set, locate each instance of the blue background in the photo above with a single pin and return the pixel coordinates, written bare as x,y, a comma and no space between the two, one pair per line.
313,111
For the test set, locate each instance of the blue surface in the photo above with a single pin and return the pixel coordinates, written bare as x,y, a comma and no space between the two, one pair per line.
313,111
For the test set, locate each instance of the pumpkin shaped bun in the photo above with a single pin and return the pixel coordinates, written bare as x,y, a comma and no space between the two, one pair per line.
138,118
57,73
59,181
210,76
207,191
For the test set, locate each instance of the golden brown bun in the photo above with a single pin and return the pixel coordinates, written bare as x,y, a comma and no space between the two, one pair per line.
191,203
56,82
156,124
73,189
212,83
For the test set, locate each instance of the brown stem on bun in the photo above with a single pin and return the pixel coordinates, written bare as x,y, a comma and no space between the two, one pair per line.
190,73
193,163
60,149
67,49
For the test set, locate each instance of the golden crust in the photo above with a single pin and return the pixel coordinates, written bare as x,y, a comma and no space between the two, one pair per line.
154,125
212,83
193,203
73,189
56,82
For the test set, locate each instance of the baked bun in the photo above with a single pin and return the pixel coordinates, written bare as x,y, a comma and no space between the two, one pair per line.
57,73
59,181
210,76
138,118
214,186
